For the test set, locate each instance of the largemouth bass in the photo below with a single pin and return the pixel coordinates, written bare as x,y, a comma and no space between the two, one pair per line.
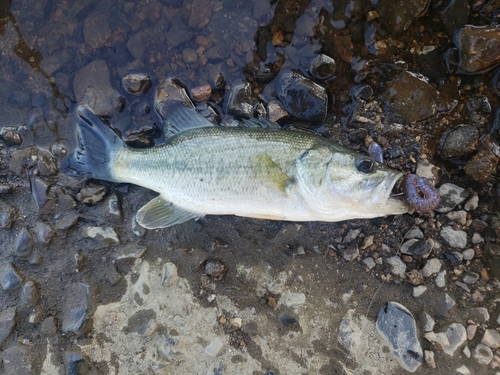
260,173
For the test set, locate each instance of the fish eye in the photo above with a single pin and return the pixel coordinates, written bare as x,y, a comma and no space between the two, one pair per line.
365,165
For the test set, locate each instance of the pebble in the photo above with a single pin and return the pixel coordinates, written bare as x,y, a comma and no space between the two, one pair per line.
466,351
369,262
352,235
169,274
7,323
9,278
44,232
426,322
241,101
414,232
449,302
29,294
214,347
477,238
277,285
482,354
441,279
130,251
96,30
24,244
236,322
463,370
482,165
350,253
136,45
322,67
215,268
470,277
419,290
469,254
105,235
471,331
491,338
290,299
92,87
438,340
429,171
397,325
76,307
451,196
459,141
92,194
479,48
458,216
7,215
472,203
201,93
398,266
78,365
397,15
137,83
17,360
457,335
418,249
479,315
454,238
432,266
179,33
429,358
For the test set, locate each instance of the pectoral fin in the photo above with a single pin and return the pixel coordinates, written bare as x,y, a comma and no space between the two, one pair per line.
273,172
160,213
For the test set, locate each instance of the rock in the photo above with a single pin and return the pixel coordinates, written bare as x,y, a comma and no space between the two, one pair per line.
179,33
44,232
106,236
397,15
214,347
429,171
275,111
427,323
418,249
414,232
454,238
369,262
92,87
9,278
472,203
457,335
301,98
469,254
448,301
215,268
482,354
290,299
76,307
201,93
10,136
130,251
17,360
276,286
462,370
429,358
137,83
7,323
189,56
96,30
482,165
438,340
236,322
170,90
470,277
169,274
451,196
398,266
458,216
78,365
29,294
410,98
479,315
455,15
479,48
431,267
7,215
351,235
39,190
136,45
351,252
24,244
419,290
466,351
398,326
201,13
91,194
491,338
241,101
441,279
322,67
143,322
459,141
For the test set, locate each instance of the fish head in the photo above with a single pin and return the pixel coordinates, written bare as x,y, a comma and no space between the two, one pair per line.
365,182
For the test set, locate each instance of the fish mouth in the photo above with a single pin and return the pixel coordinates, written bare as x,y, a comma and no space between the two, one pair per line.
390,193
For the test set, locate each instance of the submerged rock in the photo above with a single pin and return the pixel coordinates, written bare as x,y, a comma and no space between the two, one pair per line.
137,83
241,101
322,67
479,48
398,326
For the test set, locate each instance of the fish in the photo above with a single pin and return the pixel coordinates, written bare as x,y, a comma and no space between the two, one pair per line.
256,171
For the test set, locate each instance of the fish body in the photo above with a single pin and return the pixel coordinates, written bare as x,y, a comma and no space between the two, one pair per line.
251,172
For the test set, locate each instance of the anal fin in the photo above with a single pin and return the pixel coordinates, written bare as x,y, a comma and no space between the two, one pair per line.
160,213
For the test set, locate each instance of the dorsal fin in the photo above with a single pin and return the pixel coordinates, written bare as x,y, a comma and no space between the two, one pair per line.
180,118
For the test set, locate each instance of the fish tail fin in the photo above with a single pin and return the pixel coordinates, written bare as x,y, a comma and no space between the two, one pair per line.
97,147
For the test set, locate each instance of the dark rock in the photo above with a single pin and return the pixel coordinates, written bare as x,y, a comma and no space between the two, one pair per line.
418,249
398,326
241,101
141,322
451,196
78,365
10,136
24,244
459,141
7,323
92,194
322,67
9,278
39,190
7,215
17,360
93,88
215,268
301,98
397,15
201,93
48,327
455,15
137,83
66,221
170,90
482,165
479,48
409,98
44,232
29,294
75,308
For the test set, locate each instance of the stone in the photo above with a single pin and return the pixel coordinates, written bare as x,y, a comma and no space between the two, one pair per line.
438,340
106,236
457,336
479,48
469,254
418,249
201,93
351,235
322,67
491,338
351,252
472,203
369,262
29,294
7,215
92,87
471,331
397,15
451,196
459,141
179,33
454,238
458,216
482,165
455,15
470,277
479,315
462,370
130,251
214,347
449,302
466,351
9,278
76,308
7,323
169,274
290,299
78,365
91,194
419,290
276,112
429,171
398,266
96,30
136,45
441,279
24,244
426,322
236,322
242,101
44,232
189,56
137,83
482,354
432,266
429,358
397,325
302,98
